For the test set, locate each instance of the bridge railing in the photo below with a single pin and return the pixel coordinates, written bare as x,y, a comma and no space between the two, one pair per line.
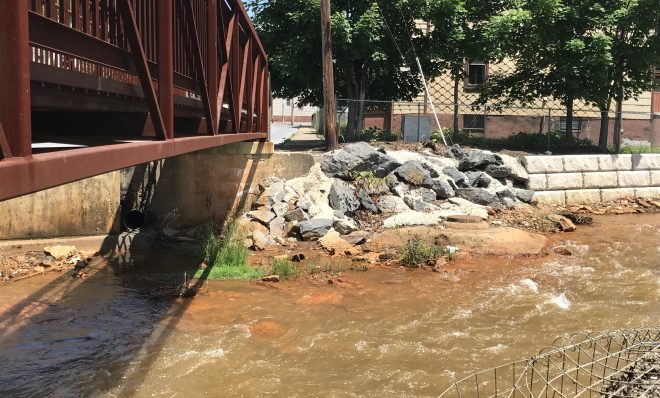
204,51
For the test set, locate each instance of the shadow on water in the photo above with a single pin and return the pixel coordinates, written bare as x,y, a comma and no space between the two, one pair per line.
79,337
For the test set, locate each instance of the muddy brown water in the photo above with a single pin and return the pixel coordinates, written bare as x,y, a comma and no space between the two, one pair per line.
385,333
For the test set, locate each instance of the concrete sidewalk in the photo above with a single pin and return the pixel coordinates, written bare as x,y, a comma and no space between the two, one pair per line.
305,139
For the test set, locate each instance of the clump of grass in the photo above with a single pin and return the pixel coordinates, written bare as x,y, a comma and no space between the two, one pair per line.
415,252
226,257
284,269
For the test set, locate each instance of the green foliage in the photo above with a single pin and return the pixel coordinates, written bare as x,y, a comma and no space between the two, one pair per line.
366,180
636,149
226,257
376,134
366,58
415,252
284,269
528,142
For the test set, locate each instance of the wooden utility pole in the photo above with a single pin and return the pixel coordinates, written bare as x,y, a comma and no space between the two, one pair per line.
328,78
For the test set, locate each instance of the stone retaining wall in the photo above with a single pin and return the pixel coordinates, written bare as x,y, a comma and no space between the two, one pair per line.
586,179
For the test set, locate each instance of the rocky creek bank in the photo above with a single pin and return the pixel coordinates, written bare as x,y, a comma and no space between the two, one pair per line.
361,194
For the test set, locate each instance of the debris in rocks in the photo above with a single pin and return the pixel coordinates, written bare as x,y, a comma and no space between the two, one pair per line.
271,278
15,267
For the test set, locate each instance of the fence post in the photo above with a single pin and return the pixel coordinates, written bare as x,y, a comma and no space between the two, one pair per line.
15,104
419,121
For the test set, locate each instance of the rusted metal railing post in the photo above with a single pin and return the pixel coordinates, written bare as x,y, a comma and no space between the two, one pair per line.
15,105
212,56
166,65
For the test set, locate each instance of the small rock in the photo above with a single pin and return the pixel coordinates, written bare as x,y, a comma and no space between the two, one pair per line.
414,173
498,170
400,190
477,195
260,241
478,179
562,251
443,189
524,195
477,160
440,263
305,202
517,171
345,226
276,227
508,203
459,179
262,215
342,197
409,219
271,278
47,264
296,215
358,157
280,209
356,238
391,204
366,201
39,269
565,224
297,258
314,229
60,252
418,204
263,185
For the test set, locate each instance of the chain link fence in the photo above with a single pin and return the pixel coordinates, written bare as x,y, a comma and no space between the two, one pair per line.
530,129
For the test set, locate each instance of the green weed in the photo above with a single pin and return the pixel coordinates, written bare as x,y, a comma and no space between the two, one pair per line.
284,269
226,257
414,252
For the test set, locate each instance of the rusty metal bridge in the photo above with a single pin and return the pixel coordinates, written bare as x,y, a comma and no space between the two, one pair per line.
92,86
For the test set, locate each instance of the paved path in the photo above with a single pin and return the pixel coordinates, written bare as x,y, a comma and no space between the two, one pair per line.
279,132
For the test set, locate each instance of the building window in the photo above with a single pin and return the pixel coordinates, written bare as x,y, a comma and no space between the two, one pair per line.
577,124
288,102
477,74
474,123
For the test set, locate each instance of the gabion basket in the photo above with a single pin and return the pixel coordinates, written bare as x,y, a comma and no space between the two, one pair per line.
619,364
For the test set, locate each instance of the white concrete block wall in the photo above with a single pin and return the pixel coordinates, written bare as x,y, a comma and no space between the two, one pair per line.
588,179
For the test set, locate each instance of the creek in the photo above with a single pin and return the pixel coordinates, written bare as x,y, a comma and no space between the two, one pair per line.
384,333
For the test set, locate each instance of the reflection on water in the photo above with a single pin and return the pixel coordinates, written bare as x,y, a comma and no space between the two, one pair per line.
386,333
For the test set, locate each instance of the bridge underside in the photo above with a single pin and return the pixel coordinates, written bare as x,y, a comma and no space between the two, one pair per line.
99,85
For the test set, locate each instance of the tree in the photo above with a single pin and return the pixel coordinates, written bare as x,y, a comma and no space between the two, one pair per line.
457,36
632,28
557,49
367,60
594,51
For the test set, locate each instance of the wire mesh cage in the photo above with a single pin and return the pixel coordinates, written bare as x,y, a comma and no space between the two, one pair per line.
620,364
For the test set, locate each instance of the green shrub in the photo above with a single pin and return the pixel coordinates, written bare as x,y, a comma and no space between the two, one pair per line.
522,141
284,269
636,149
415,253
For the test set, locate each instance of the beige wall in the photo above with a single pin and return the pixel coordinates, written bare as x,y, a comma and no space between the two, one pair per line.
185,190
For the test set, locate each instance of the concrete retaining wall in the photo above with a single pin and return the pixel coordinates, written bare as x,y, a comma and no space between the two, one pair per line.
588,179
183,191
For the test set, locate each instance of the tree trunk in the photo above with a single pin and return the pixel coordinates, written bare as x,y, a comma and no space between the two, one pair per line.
457,82
617,125
357,91
604,126
568,135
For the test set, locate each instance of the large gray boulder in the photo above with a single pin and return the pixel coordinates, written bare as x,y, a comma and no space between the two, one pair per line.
477,160
358,157
414,173
517,170
296,214
498,170
391,204
477,195
418,204
345,226
342,197
478,179
460,179
314,229
443,189
523,195
366,201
